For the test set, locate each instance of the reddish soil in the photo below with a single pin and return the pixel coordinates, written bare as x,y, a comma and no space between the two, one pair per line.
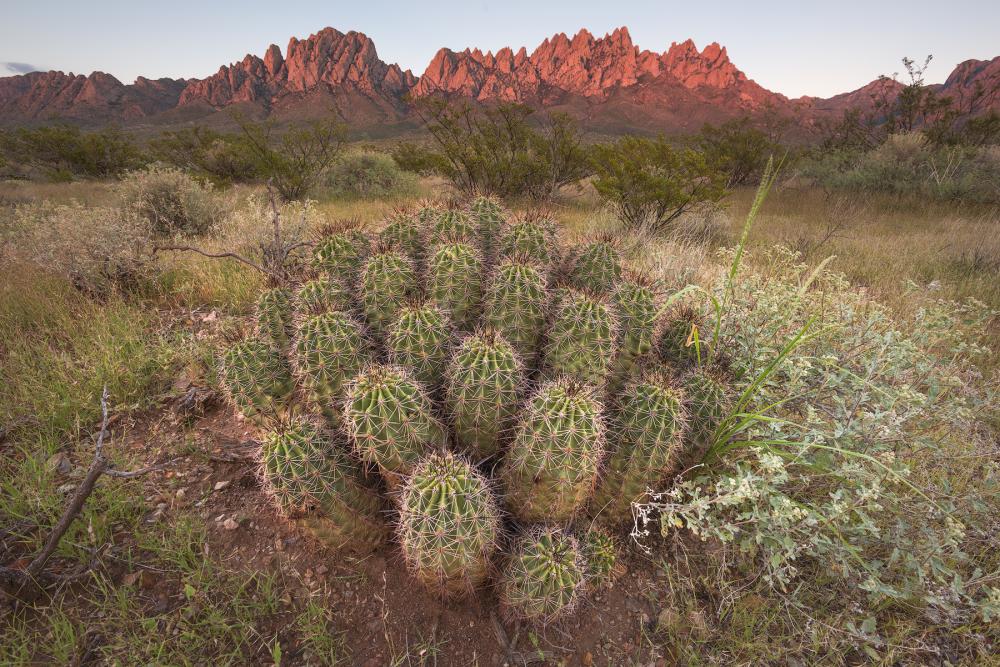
381,611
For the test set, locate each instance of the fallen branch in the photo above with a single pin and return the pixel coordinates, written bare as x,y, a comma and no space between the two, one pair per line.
32,579
213,255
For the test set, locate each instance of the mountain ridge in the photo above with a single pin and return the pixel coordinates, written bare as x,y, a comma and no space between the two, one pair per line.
607,80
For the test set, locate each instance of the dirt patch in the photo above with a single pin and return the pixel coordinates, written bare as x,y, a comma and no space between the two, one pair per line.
385,616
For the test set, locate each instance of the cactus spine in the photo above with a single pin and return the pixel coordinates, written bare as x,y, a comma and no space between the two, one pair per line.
339,255
545,578
274,316
387,283
323,295
635,304
552,465
448,524
453,226
600,551
484,387
404,232
530,241
489,216
597,267
420,341
256,378
389,419
330,349
516,306
317,484
649,425
455,283
581,341
707,403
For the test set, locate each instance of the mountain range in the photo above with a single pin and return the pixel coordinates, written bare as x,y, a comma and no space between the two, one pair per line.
608,82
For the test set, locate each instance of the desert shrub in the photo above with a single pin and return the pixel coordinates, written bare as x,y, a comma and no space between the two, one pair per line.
64,152
369,175
99,250
171,201
296,160
909,165
497,150
738,149
222,158
649,183
865,484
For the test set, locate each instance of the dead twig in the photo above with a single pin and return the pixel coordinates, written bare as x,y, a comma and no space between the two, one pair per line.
33,578
213,255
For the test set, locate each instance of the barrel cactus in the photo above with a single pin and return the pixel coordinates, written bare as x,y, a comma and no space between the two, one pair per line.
601,555
340,254
274,316
707,404
552,465
485,381
388,282
582,338
448,524
597,267
532,241
323,295
545,579
489,216
516,305
453,226
405,233
256,378
329,351
649,427
420,341
317,484
389,419
682,340
455,283
635,303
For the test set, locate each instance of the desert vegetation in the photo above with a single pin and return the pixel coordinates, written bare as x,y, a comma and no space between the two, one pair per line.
502,391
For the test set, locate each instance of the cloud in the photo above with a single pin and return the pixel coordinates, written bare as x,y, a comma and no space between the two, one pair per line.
19,68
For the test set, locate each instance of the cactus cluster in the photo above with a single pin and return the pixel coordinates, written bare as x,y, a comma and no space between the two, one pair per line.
463,365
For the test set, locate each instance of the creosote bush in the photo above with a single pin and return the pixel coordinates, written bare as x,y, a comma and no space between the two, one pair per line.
173,202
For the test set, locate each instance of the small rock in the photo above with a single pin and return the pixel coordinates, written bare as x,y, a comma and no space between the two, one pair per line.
180,494
66,488
230,524
219,486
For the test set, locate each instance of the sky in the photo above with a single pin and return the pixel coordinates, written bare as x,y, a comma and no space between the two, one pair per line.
795,48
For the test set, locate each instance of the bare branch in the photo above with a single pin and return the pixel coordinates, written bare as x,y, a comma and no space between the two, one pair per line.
213,255
20,581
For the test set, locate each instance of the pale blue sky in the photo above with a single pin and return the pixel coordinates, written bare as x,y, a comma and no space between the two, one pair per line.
796,48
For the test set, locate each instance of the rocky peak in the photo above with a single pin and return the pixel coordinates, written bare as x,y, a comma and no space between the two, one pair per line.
329,59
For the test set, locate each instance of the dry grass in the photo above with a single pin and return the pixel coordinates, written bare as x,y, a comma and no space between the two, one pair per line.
884,243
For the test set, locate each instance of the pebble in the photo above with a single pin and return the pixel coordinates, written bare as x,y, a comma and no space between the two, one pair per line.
180,494
230,524
219,486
